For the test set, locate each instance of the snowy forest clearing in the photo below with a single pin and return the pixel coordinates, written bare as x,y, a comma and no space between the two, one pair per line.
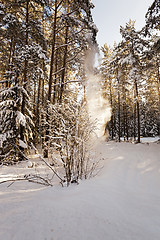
56,99
121,202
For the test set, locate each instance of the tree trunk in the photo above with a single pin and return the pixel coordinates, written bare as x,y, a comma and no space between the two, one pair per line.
119,110
37,112
127,123
111,101
53,51
134,121
158,89
8,82
42,115
34,111
138,111
24,83
64,65
51,78
55,78
124,121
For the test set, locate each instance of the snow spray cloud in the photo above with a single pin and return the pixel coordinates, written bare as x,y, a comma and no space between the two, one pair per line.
98,107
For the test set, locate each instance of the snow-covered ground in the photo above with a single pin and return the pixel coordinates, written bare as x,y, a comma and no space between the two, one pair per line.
121,203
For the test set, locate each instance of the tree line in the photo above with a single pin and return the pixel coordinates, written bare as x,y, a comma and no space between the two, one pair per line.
131,79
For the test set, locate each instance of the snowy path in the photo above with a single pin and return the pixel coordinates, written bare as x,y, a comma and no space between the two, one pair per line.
122,203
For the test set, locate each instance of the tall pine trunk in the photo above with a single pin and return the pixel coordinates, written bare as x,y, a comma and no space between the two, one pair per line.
24,82
119,110
53,52
138,111
64,65
37,116
158,89
134,121
111,102
51,78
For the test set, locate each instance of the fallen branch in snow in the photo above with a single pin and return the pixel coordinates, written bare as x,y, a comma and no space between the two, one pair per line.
35,178
13,180
29,178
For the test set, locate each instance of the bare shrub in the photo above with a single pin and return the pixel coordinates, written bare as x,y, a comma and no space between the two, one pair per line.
70,131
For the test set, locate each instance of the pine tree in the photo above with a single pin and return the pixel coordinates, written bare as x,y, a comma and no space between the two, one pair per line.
153,17
23,64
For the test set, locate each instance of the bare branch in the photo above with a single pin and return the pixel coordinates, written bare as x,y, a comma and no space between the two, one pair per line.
48,165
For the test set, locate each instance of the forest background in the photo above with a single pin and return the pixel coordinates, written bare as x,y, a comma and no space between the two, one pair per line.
44,84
